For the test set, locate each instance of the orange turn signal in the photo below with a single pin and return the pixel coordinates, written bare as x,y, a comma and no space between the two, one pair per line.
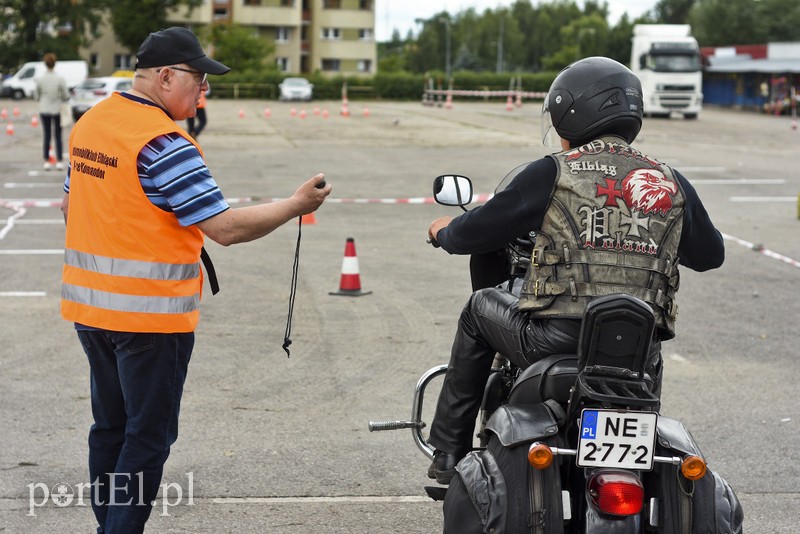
693,467
540,456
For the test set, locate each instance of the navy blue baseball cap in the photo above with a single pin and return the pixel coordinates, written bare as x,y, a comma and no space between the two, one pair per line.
174,46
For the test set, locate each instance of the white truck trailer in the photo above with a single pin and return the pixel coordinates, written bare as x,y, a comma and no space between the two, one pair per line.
666,58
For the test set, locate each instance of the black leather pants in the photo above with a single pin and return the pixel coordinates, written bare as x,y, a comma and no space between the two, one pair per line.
490,322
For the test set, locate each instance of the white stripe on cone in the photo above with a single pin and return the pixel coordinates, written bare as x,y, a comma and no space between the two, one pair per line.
350,265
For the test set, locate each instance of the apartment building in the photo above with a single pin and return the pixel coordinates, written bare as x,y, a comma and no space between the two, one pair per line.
335,37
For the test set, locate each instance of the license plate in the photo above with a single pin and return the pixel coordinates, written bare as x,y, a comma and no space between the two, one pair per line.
625,440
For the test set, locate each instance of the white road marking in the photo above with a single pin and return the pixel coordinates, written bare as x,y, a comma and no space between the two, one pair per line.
35,221
740,181
32,251
702,169
32,185
763,199
23,294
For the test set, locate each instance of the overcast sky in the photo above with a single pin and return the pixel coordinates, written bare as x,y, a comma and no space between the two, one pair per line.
400,14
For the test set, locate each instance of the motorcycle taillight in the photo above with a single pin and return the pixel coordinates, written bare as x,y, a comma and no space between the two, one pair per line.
616,492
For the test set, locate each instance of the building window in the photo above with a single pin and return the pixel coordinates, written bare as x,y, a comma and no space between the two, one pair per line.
281,34
365,4
364,65
287,3
331,34
252,2
365,34
331,4
283,63
220,13
94,60
122,62
331,65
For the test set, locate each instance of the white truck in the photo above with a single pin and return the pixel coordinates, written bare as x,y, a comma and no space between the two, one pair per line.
22,84
666,58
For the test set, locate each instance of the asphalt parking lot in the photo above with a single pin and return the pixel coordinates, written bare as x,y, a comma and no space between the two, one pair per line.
276,445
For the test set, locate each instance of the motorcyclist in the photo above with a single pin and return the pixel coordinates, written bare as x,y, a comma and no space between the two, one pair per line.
607,219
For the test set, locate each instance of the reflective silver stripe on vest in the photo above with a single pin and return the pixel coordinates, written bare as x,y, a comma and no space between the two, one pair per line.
131,268
129,303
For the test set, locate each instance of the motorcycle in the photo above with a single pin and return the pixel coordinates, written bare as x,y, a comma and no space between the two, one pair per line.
574,443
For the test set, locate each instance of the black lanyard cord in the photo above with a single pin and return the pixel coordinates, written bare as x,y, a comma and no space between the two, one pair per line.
293,290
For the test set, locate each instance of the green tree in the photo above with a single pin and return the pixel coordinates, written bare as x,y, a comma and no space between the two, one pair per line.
619,40
673,11
31,28
584,37
783,19
427,53
466,60
391,54
732,22
240,48
133,20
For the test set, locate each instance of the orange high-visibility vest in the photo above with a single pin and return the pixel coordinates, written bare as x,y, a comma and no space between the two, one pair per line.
128,265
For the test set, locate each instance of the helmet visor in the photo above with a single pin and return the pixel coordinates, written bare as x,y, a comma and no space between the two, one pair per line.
550,137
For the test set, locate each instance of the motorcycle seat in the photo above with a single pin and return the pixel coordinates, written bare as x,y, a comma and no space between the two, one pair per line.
549,378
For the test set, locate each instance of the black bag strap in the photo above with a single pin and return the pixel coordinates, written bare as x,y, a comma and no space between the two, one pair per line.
557,411
212,274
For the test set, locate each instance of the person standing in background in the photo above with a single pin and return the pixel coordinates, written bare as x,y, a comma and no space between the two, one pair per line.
51,92
195,129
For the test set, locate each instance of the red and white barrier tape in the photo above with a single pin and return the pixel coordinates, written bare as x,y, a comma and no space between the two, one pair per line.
760,249
20,205
265,200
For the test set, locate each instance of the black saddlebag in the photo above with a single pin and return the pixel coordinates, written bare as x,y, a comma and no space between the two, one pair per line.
496,491
706,506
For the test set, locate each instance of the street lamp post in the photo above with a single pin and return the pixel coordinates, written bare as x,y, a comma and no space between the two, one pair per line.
447,46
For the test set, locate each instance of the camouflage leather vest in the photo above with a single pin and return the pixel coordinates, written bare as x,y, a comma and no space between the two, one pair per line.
612,226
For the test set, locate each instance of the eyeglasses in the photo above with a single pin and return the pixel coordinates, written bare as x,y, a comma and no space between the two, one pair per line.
199,77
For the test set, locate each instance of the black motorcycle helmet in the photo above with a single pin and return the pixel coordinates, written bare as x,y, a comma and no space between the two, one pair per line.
592,97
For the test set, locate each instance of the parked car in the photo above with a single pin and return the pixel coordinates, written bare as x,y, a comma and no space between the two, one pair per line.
92,90
296,89
23,83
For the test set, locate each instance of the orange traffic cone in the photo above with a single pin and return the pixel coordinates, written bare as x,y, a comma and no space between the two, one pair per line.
350,284
34,121
309,219
10,129
4,113
509,104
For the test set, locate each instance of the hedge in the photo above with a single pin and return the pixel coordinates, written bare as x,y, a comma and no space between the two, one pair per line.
386,86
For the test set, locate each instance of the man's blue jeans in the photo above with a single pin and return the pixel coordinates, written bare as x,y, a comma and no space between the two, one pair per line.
137,383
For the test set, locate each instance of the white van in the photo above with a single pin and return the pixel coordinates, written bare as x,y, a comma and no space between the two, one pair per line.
22,84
